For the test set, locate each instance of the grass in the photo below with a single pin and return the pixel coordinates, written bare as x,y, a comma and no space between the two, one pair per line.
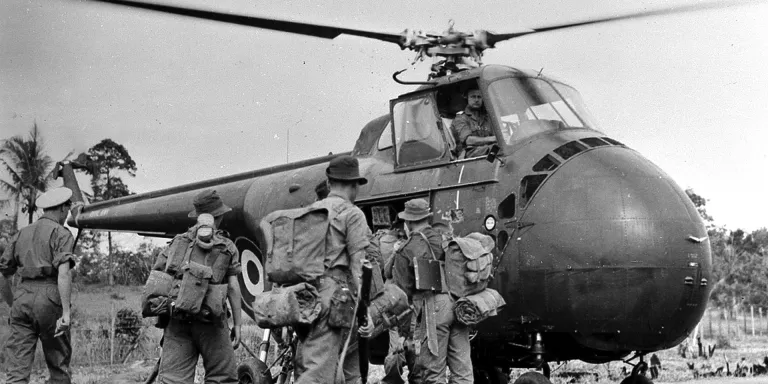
93,305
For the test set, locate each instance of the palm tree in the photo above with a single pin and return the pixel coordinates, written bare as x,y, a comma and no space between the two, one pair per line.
29,167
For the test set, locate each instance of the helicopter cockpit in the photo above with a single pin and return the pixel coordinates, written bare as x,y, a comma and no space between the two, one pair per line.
519,106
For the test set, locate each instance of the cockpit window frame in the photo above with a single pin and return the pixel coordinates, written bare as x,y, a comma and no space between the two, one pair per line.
445,156
490,106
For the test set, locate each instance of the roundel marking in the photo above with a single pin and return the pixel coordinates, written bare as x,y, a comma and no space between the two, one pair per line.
253,272
252,277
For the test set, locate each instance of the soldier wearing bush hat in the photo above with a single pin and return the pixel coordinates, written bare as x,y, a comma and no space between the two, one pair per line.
320,346
41,253
433,326
201,257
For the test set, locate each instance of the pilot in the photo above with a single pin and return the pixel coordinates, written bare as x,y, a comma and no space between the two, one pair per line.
40,309
472,127
200,330
439,340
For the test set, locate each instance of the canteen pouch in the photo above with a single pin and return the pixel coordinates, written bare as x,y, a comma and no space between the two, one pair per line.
215,301
194,285
342,311
158,285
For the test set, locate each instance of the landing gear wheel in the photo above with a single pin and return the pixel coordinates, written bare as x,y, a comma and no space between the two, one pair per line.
532,377
490,375
634,379
252,371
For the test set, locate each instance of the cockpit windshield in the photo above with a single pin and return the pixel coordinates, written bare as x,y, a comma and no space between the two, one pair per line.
524,107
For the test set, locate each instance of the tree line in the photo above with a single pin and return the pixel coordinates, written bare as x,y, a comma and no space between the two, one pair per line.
28,173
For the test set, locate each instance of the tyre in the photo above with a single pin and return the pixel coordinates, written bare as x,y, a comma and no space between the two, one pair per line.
252,371
493,375
532,378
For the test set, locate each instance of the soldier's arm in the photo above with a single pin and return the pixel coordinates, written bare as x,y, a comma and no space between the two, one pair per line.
7,269
64,261
65,289
357,241
234,295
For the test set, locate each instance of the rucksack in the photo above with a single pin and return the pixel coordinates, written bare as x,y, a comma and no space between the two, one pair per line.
296,244
468,263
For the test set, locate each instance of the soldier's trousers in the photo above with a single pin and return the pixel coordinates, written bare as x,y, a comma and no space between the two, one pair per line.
453,348
36,308
185,341
319,350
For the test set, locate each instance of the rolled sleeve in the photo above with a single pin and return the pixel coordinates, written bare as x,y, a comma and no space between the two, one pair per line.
463,128
235,268
63,245
8,263
358,232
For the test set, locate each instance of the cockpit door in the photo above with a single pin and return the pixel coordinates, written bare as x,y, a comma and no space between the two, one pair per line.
418,135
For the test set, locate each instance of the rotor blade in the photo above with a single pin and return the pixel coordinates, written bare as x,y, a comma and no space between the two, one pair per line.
322,31
494,38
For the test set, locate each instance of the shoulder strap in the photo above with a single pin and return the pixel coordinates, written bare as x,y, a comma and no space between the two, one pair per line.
428,245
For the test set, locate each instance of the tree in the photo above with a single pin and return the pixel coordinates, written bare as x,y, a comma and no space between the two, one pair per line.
110,158
29,167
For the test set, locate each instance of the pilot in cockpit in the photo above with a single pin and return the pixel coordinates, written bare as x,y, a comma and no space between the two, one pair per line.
472,128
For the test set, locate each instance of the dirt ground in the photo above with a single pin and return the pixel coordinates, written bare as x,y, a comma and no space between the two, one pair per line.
93,305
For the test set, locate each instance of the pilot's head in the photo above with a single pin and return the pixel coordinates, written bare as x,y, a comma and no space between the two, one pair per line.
474,99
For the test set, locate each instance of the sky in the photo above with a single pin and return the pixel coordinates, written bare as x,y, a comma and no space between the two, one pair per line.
193,100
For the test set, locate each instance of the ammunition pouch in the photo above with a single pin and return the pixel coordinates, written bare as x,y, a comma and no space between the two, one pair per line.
194,285
287,306
215,301
154,298
341,313
389,308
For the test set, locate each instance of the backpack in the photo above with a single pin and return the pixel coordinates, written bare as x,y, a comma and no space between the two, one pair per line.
296,244
468,263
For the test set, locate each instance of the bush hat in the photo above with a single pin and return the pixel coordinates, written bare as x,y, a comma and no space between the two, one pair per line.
208,201
415,210
345,168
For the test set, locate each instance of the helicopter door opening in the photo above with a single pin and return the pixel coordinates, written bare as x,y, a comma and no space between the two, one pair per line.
418,132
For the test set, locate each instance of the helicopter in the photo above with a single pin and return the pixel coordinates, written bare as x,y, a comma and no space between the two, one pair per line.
600,254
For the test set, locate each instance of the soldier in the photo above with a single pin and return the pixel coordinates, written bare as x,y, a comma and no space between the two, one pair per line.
40,308
201,331
320,345
438,339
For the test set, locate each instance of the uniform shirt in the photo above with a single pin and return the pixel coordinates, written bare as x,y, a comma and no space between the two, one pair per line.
469,124
403,267
347,234
225,263
38,250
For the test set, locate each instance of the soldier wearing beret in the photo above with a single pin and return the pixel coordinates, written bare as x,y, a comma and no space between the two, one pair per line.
201,332
320,346
40,308
439,341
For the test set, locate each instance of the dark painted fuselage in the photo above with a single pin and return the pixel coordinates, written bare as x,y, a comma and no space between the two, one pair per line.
599,250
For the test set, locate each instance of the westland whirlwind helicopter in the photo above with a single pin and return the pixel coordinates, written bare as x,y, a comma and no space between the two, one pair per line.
600,255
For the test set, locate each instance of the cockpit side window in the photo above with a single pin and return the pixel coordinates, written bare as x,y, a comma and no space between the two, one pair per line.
417,129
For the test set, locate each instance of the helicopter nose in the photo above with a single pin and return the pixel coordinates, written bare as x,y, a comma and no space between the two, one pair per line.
617,246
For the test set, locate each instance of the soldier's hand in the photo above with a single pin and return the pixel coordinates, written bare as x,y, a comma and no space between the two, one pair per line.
62,325
366,331
235,336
